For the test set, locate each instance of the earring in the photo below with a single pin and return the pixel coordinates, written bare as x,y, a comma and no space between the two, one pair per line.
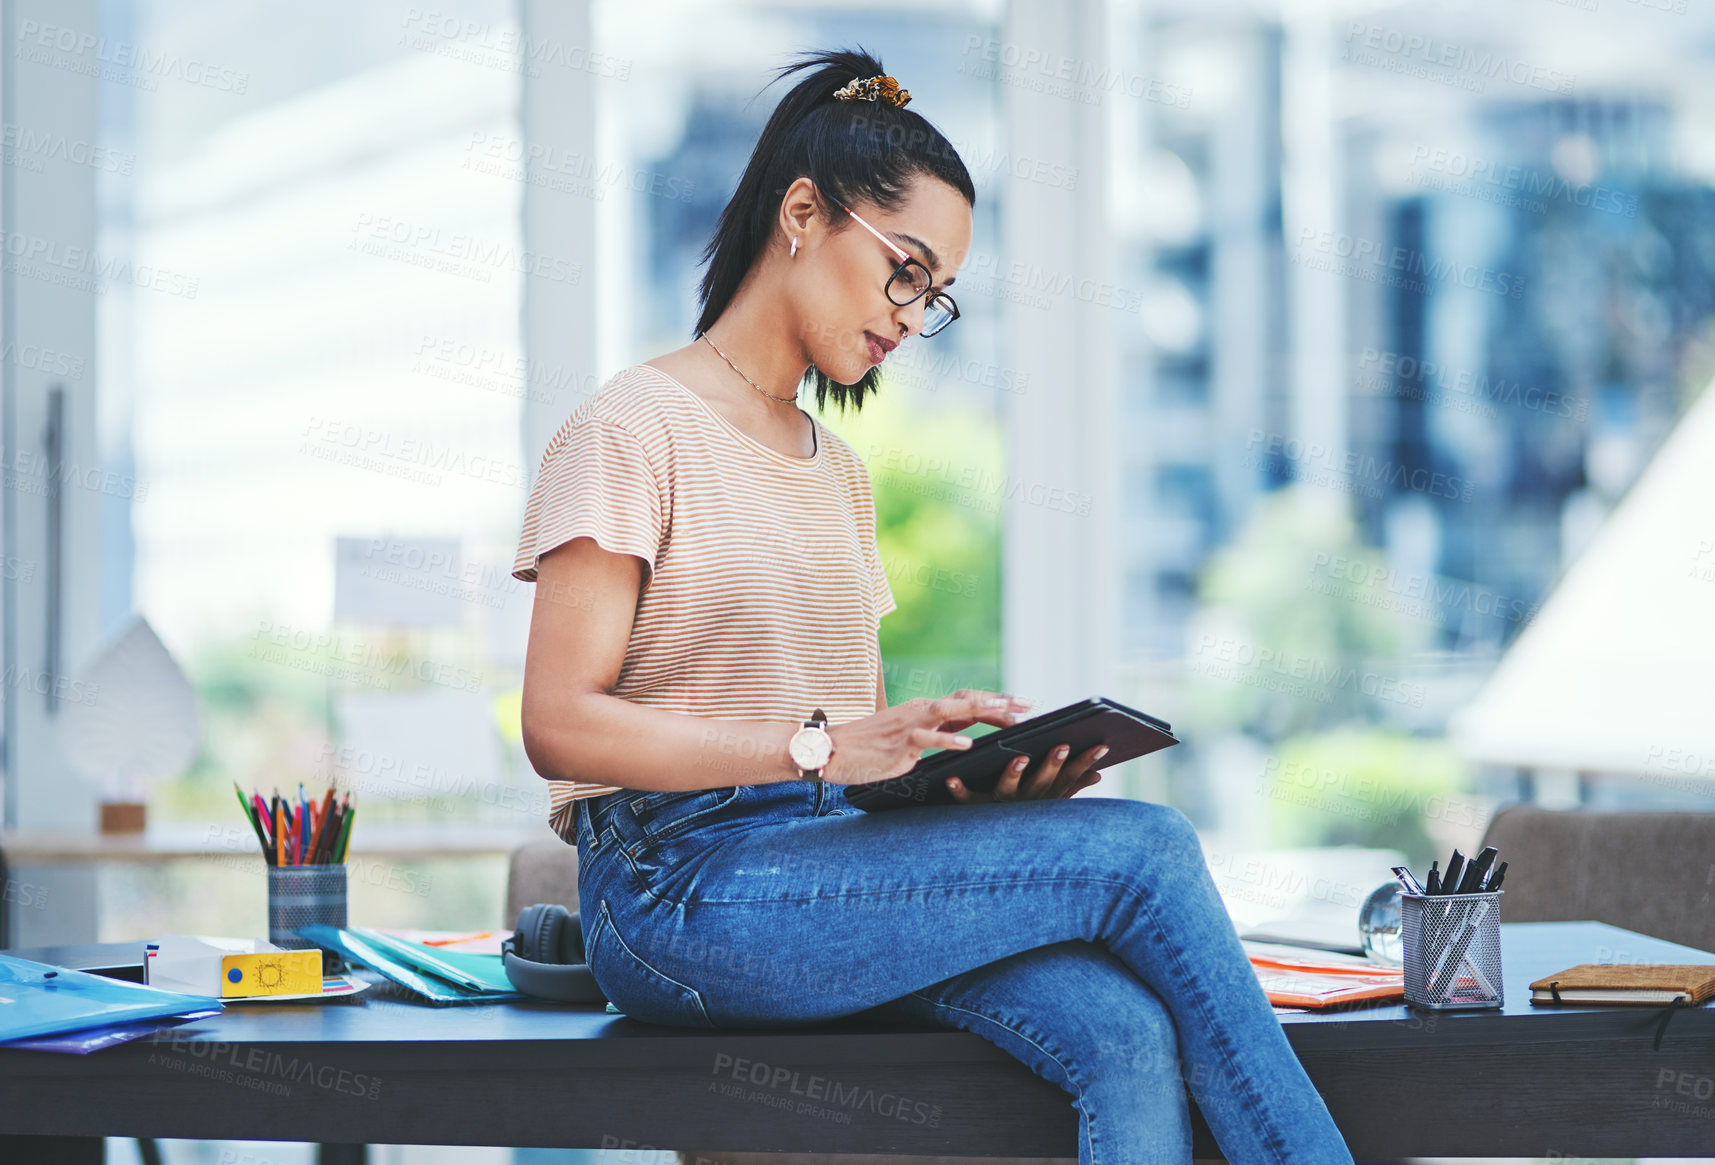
794,246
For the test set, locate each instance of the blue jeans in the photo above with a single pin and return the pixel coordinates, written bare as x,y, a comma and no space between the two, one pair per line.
1082,935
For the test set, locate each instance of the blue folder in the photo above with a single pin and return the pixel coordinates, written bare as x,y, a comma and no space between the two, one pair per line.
38,999
380,957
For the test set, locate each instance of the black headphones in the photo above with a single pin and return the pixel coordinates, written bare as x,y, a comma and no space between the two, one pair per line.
545,956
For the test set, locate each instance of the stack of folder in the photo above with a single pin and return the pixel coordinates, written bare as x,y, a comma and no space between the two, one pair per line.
430,974
1292,978
61,1009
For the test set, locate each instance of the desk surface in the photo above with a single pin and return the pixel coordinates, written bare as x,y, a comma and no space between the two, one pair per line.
1578,1080
1530,950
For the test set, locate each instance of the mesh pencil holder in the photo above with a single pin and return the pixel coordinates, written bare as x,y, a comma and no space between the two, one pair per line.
302,895
1452,949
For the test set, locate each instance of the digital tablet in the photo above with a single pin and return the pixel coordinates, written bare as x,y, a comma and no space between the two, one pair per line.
1127,732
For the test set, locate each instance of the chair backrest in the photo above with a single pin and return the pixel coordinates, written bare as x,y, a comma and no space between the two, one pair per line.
544,871
1649,872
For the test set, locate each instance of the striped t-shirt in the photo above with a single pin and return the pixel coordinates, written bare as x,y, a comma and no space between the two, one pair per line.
762,590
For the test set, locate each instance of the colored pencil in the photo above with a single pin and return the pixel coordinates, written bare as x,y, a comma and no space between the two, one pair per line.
308,833
345,835
324,841
267,821
250,816
322,818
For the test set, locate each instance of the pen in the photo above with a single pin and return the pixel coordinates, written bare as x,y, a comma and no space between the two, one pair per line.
1479,869
1433,884
457,938
1468,883
1403,873
1450,879
1495,878
279,833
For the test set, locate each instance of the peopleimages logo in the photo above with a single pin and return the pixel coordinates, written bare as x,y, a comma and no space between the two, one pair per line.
1367,260
1415,47
1313,678
454,252
904,465
1415,379
1442,601
1469,170
741,1071
1359,472
1057,75
119,61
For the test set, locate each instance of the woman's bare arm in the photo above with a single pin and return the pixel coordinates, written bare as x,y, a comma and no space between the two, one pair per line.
575,729
880,689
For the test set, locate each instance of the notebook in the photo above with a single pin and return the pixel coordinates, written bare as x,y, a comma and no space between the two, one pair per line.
1290,980
1652,983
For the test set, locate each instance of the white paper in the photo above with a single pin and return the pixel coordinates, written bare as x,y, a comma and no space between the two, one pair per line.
191,963
135,712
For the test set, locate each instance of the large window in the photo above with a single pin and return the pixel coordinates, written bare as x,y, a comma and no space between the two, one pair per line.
325,409
1402,303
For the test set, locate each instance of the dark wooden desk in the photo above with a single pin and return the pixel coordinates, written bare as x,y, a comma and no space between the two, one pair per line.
1523,1081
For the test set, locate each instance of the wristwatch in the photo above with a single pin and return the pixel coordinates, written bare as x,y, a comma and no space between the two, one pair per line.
811,746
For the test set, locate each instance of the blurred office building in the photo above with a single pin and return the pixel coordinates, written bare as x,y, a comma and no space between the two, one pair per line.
1524,286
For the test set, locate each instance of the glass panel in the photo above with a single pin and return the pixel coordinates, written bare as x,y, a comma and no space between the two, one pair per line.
325,404
1426,294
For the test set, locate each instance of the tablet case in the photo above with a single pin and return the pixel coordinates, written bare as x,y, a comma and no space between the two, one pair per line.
1127,732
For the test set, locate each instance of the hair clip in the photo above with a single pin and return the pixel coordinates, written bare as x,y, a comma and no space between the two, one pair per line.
880,87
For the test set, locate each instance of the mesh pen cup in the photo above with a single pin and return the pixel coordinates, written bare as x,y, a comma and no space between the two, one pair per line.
300,896
1452,949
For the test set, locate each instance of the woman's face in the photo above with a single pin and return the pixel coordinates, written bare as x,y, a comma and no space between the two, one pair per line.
849,321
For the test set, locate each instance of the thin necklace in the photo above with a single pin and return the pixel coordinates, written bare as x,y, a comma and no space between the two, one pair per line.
753,384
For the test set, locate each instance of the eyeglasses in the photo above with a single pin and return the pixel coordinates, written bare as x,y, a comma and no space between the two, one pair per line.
912,280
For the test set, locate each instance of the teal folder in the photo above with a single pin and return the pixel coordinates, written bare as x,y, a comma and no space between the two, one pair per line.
381,958
38,999
477,972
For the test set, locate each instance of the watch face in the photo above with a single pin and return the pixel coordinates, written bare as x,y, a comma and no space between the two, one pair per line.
810,748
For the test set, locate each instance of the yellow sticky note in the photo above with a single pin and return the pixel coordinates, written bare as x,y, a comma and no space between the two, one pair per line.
272,973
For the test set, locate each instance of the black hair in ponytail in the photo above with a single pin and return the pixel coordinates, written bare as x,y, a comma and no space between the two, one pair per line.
851,150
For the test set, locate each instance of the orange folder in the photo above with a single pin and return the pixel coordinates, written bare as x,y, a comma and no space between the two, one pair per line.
1289,981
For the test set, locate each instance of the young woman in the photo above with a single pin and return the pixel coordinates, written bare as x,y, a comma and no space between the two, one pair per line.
708,582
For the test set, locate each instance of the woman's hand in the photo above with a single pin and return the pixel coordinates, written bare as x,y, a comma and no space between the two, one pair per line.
885,744
1052,778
